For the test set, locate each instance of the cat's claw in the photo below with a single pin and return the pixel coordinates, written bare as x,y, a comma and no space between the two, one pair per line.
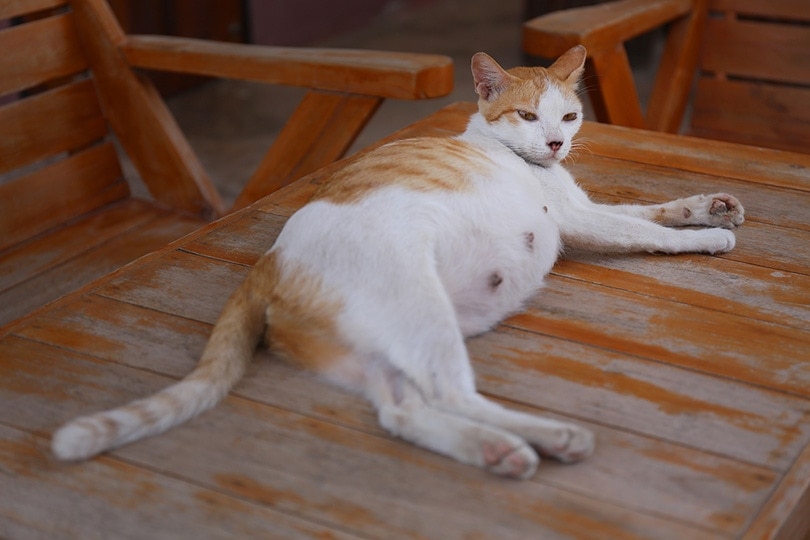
726,211
505,459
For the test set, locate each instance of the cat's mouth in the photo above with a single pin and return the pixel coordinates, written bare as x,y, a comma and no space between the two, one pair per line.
544,161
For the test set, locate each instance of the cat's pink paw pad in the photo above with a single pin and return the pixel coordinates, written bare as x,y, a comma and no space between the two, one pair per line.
574,444
726,211
505,459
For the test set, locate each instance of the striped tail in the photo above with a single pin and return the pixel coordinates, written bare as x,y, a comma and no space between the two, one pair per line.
224,361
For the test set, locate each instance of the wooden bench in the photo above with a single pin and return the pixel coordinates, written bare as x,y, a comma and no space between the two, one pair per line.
70,86
692,370
748,61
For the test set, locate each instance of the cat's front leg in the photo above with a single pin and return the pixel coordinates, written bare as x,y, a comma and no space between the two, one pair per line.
717,210
599,229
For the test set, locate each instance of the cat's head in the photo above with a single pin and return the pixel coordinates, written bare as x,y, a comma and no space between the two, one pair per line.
534,111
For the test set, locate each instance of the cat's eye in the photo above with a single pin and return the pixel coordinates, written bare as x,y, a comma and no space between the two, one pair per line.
526,115
570,117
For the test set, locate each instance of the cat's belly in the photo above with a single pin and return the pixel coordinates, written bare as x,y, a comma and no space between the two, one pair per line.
493,269
489,255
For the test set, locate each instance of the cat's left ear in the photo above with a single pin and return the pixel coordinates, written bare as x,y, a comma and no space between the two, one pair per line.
569,67
489,77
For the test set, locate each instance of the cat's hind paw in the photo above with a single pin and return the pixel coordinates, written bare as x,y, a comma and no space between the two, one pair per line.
505,459
572,444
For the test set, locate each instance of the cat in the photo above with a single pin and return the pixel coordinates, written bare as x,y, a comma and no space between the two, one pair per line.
406,251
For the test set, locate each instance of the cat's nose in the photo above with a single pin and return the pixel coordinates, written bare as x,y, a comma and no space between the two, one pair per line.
555,145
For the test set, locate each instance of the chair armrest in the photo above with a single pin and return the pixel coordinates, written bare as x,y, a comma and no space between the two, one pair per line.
598,27
373,73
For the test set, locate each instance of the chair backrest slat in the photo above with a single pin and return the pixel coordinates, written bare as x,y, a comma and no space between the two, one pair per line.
59,192
38,52
56,160
753,82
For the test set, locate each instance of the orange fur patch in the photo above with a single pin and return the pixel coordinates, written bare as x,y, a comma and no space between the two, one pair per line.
301,314
421,164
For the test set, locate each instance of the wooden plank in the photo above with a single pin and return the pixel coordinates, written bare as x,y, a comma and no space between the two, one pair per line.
71,113
41,51
731,287
144,126
320,131
760,165
110,498
241,241
754,113
373,73
15,8
91,264
55,248
759,50
785,517
622,390
753,351
348,461
60,192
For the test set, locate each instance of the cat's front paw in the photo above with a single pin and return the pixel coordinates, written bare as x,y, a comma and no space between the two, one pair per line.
716,241
725,211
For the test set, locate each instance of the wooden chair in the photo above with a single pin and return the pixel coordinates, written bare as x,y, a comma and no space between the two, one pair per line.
69,83
751,57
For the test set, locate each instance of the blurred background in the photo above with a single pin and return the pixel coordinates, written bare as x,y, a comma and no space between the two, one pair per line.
231,124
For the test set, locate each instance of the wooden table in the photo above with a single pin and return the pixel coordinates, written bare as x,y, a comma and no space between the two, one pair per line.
693,370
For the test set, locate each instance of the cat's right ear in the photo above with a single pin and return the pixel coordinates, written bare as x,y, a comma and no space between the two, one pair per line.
489,77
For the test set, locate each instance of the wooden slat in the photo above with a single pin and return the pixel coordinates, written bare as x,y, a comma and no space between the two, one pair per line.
71,114
34,53
15,8
760,50
59,192
795,10
118,499
59,246
760,165
319,132
785,517
670,332
92,263
759,114
373,73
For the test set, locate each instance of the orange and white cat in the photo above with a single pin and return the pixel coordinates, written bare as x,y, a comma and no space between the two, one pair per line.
406,251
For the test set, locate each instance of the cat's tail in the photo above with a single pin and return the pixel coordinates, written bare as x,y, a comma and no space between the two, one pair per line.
226,356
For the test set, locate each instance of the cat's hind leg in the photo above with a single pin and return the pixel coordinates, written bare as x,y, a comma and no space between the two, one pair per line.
559,440
404,412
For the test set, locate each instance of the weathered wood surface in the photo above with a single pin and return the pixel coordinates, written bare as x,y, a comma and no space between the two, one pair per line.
693,371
